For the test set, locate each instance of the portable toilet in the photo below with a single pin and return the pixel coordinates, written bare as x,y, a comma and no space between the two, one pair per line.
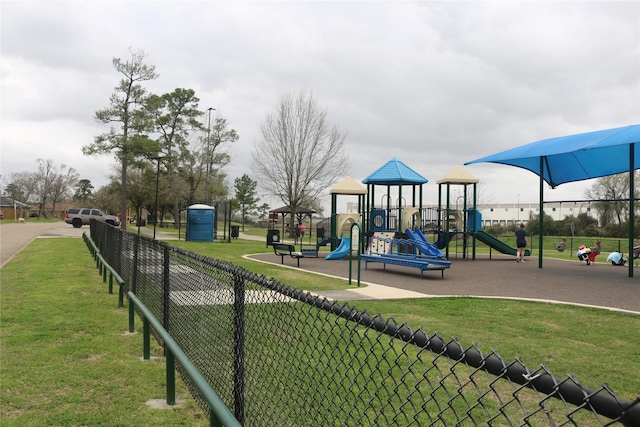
200,219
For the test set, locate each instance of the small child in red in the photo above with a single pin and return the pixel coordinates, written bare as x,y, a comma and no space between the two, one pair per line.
595,250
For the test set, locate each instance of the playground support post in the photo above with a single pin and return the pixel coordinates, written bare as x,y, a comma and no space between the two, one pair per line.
632,197
541,216
355,224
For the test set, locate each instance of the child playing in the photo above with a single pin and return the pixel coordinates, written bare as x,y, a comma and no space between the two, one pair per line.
595,251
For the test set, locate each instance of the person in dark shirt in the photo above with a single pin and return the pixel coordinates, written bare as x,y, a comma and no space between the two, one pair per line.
521,243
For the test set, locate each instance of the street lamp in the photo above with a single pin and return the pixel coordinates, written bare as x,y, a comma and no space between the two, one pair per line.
155,219
208,157
518,207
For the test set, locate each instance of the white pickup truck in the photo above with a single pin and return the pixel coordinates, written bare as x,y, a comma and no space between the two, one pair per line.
81,216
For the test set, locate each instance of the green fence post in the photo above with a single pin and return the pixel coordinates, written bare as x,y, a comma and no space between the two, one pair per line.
171,378
146,339
224,417
110,282
239,356
132,313
213,419
121,295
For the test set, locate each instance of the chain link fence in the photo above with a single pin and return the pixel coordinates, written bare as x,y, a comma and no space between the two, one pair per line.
279,356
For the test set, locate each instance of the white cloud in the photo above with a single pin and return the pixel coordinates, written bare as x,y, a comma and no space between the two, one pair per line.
434,84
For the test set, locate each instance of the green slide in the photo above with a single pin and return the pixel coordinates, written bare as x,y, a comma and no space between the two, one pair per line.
496,244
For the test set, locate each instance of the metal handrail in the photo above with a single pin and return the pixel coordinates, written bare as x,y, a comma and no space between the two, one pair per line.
220,415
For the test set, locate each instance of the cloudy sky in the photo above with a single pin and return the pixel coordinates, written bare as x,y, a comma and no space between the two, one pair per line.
434,84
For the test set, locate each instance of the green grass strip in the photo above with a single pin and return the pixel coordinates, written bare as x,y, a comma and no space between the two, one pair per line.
66,358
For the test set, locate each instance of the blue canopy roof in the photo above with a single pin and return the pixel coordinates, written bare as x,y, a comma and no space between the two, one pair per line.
575,157
394,172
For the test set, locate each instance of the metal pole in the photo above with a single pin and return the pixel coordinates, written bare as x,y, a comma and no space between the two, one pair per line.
208,168
155,214
632,207
541,217
239,357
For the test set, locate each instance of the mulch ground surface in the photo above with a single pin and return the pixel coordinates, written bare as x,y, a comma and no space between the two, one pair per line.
601,284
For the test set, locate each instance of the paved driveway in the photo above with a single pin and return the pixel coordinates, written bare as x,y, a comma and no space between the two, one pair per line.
15,235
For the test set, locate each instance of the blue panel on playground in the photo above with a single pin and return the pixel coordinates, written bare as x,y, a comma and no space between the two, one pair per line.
474,220
379,220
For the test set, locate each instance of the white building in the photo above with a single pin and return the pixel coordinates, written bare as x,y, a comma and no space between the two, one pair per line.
514,213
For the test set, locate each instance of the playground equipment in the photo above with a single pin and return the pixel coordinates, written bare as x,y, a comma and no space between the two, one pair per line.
411,218
405,217
497,244
405,253
341,251
344,221
423,245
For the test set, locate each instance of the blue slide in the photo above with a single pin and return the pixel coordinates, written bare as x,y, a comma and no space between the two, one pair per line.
423,245
341,251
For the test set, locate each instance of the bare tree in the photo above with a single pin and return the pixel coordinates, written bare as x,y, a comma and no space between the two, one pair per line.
612,195
300,154
48,184
52,184
62,180
129,140
24,187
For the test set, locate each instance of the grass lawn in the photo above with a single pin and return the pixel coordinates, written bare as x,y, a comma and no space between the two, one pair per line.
66,359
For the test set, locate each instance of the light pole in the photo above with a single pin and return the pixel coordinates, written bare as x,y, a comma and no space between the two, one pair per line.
155,214
208,157
518,207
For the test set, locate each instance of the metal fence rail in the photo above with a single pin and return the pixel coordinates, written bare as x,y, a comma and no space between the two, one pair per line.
280,356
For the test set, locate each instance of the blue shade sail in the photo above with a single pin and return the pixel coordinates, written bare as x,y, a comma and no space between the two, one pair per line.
575,157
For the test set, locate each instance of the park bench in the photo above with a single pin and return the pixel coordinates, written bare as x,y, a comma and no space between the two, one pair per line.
285,249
